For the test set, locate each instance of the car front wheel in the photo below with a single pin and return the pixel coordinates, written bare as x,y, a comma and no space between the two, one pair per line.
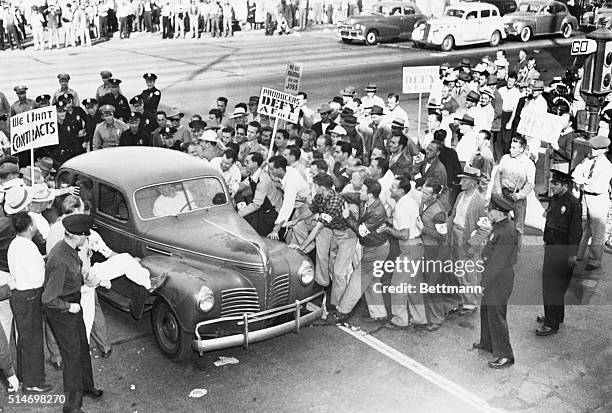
525,34
448,43
495,39
371,37
173,341
566,31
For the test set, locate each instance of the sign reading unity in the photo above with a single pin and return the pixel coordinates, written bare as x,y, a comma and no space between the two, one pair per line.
34,129
418,79
279,105
544,126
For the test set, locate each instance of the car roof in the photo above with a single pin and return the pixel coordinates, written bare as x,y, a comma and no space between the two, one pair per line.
132,167
468,6
395,3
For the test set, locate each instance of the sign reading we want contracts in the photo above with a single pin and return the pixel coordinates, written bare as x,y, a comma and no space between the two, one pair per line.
34,129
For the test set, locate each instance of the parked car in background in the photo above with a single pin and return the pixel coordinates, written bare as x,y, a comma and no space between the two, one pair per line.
462,24
504,6
387,20
540,17
596,15
215,282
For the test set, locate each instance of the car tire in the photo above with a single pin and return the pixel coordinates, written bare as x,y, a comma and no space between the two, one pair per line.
371,38
567,30
448,44
172,340
496,38
525,34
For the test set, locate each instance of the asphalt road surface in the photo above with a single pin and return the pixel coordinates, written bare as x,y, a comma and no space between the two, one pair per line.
328,368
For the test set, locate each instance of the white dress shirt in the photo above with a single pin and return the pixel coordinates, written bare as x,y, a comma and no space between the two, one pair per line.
406,215
26,264
295,188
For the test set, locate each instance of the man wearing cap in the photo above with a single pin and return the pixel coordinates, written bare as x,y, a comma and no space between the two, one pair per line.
135,135
593,176
499,256
108,133
562,235
92,119
515,179
209,142
63,79
168,140
325,123
105,88
349,123
23,103
61,297
462,88
371,99
182,134
151,96
466,237
147,119
467,145
117,100
348,94
536,105
562,151
484,113
197,126
43,101
69,144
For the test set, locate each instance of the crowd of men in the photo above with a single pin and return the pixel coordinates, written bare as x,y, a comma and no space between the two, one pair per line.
350,184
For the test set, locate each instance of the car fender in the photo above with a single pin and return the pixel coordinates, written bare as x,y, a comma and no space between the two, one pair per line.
182,280
285,260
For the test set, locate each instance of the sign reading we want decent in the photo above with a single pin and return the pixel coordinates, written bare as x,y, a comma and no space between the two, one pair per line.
34,129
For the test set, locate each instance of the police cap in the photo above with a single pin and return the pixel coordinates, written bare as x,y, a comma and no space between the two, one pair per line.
500,203
134,117
599,142
105,74
89,102
107,109
136,100
43,98
78,224
63,76
149,76
560,177
114,82
167,131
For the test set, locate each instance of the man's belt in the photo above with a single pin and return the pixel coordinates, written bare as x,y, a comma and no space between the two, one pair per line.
590,193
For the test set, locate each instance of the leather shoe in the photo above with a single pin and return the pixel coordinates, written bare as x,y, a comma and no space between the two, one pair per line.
93,393
546,331
392,326
336,317
467,311
478,346
368,319
58,365
38,389
501,363
540,319
432,327
106,354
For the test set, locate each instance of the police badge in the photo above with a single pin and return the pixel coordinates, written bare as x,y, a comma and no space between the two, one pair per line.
563,209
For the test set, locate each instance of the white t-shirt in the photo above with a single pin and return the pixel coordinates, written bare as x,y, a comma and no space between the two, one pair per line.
26,264
406,215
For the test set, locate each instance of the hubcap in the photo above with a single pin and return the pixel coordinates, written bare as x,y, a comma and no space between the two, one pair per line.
447,43
525,34
169,330
371,37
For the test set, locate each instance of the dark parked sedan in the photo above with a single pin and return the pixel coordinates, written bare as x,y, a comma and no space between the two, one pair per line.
540,17
387,20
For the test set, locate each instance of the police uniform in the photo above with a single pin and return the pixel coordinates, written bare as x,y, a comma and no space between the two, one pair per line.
562,234
60,91
140,138
148,121
62,287
91,121
103,89
19,107
168,132
151,97
499,256
69,142
119,102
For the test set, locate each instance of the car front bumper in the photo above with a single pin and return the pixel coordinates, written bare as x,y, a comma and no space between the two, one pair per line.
351,34
202,345
511,30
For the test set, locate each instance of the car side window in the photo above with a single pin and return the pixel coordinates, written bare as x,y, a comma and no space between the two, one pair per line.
111,202
396,11
494,13
408,10
485,13
472,15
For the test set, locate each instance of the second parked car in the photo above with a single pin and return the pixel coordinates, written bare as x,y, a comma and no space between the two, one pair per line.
540,17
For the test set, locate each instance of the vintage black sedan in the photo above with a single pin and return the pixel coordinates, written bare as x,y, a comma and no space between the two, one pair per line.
215,282
387,20
540,17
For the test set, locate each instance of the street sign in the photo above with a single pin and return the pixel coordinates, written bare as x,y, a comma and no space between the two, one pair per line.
279,105
418,79
293,78
583,46
34,129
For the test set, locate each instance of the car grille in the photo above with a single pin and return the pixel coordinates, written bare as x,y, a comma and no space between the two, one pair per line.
237,301
346,27
279,291
426,31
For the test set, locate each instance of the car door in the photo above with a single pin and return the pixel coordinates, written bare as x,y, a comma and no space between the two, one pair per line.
113,218
545,20
559,12
408,21
395,19
470,28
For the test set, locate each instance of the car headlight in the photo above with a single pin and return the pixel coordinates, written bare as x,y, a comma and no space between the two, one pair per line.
306,273
205,299
357,26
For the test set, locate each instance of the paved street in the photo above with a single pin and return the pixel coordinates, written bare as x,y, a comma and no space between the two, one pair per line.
327,368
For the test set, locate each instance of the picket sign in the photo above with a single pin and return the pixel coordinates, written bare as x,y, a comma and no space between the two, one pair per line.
418,79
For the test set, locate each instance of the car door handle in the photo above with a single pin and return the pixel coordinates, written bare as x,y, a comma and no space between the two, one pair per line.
159,251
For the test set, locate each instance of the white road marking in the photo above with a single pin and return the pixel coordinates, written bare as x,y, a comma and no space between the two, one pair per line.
429,375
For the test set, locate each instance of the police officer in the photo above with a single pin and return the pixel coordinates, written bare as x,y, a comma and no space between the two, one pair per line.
69,142
169,141
147,119
43,101
63,79
499,256
117,100
92,119
23,103
61,297
151,95
135,135
562,235
105,87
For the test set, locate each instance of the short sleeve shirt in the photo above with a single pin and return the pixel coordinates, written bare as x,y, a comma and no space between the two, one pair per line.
406,215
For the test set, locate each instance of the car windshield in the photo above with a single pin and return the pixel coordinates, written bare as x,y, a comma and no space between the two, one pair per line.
454,13
528,7
179,197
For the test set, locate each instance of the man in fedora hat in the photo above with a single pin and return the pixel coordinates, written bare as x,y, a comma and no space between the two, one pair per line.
325,124
45,165
536,105
374,135
469,209
108,133
348,94
182,134
63,79
593,176
349,123
562,235
371,99
467,145
197,126
117,100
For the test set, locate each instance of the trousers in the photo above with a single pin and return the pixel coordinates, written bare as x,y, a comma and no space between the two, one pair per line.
494,334
556,277
594,228
468,278
408,305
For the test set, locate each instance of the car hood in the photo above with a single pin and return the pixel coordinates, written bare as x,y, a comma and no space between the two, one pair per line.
519,16
444,21
219,233
365,18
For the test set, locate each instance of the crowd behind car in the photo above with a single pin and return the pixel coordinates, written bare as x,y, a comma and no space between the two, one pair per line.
351,184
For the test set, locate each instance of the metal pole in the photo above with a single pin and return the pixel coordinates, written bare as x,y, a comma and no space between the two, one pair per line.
272,139
419,116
